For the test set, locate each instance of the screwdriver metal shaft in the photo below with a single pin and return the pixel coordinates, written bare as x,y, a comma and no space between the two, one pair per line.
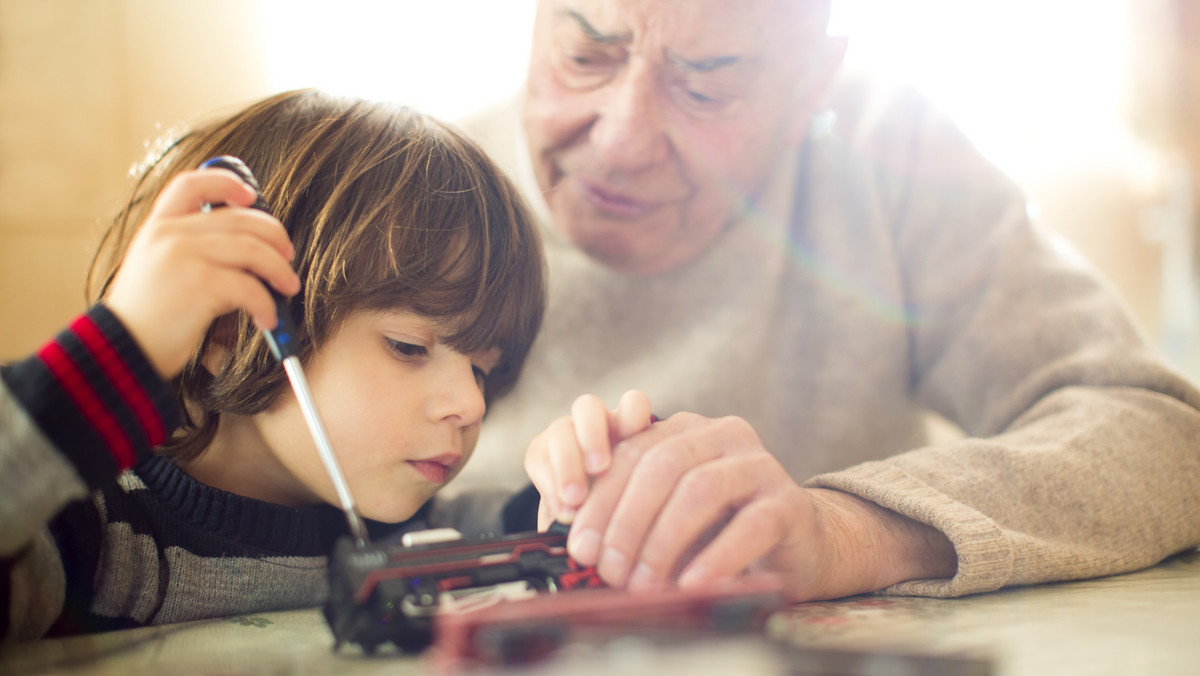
280,340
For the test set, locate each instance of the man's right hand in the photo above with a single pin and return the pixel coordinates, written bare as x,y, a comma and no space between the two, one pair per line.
696,499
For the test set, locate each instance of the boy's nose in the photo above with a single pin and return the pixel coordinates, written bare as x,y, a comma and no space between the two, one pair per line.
458,396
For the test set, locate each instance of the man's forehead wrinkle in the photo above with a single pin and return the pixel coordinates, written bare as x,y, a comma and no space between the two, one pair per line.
657,31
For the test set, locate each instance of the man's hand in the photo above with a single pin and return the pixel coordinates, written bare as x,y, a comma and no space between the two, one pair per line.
698,499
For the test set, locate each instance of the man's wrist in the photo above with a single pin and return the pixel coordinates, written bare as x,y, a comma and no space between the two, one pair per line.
872,547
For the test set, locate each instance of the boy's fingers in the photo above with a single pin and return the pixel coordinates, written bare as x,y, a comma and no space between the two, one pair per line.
247,252
264,227
632,414
541,475
231,290
570,482
252,297
190,191
239,222
591,431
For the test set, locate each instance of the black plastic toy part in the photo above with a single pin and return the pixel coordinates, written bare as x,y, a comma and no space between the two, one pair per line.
392,593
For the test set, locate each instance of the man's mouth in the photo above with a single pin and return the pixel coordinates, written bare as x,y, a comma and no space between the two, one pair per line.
614,202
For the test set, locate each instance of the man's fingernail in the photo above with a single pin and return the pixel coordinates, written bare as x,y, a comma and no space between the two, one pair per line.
642,577
593,462
584,546
613,567
693,575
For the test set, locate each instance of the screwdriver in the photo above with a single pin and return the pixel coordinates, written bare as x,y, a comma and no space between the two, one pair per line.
281,341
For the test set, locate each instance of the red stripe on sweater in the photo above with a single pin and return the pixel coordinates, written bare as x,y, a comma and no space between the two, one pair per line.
67,372
122,378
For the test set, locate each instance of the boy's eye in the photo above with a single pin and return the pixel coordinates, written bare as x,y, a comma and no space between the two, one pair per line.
406,350
480,377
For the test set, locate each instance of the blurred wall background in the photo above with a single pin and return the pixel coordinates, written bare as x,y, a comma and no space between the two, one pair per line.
1078,99
83,86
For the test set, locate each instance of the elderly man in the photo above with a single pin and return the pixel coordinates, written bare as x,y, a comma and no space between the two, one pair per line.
797,268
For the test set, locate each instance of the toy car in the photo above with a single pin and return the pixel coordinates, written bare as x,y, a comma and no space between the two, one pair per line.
391,593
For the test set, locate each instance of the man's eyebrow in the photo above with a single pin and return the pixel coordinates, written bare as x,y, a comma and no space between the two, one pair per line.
594,34
703,65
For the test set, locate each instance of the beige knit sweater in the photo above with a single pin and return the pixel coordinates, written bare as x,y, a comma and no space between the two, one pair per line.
891,273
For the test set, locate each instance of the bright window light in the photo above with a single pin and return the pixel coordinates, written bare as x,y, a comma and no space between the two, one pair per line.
1034,83
447,57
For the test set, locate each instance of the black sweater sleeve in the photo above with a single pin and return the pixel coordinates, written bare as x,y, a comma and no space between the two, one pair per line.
93,393
73,416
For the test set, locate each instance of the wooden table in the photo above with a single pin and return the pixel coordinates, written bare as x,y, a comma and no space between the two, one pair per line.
1146,622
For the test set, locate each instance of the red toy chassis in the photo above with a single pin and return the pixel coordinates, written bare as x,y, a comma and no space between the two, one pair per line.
533,630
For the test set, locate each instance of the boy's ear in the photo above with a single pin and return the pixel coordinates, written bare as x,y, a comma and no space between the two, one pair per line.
221,339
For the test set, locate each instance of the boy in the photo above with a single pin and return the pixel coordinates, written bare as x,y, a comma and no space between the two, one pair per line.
418,288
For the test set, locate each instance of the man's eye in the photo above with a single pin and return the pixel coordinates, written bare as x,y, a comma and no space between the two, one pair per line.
585,59
406,350
581,60
585,67
702,99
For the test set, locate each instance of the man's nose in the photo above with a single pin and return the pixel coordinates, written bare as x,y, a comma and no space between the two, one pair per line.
458,396
628,132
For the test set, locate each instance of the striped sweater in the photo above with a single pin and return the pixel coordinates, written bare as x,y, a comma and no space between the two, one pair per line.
98,533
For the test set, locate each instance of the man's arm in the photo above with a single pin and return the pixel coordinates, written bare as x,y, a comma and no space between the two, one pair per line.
1080,456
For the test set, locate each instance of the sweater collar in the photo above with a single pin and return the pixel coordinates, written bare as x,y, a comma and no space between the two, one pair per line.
289,531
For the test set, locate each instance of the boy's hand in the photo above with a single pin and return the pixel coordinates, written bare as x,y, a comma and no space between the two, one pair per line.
187,266
563,458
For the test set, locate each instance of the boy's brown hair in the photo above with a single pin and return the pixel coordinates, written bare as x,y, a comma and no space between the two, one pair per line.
387,209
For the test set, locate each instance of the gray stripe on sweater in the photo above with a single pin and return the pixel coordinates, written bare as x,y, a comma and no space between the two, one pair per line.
183,586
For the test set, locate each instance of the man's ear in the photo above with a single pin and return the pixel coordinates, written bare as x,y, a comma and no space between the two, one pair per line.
814,83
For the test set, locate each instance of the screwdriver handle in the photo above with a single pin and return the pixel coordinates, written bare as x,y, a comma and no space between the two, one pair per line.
281,338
